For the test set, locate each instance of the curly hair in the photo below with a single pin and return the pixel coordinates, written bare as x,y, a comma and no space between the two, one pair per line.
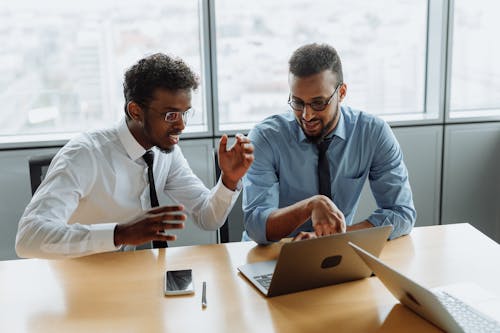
314,58
156,71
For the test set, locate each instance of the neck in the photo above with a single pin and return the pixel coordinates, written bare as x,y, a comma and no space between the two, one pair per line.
137,132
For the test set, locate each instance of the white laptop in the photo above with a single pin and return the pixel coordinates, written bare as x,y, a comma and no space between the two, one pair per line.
317,262
439,307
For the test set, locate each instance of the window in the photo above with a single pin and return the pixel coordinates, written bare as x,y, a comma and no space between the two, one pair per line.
62,62
382,48
475,74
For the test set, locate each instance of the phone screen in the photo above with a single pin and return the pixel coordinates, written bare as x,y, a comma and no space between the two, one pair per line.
180,281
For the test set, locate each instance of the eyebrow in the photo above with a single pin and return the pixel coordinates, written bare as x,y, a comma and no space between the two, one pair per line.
171,109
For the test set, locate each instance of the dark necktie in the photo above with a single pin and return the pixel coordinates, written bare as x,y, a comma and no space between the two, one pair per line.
149,157
324,168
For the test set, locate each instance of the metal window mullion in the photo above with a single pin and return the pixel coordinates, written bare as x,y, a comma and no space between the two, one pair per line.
206,21
447,48
210,56
437,59
449,58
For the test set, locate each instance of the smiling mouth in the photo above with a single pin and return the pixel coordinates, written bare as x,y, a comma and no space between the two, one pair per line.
173,138
311,125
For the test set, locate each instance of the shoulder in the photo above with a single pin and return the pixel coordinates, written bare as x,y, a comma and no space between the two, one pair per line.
84,147
361,118
275,127
357,121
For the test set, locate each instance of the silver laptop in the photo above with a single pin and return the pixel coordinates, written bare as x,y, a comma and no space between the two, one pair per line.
440,308
315,262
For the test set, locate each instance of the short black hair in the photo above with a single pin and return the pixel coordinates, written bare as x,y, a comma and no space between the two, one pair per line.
314,58
156,71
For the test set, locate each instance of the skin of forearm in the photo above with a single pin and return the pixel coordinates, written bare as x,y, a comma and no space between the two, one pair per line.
283,221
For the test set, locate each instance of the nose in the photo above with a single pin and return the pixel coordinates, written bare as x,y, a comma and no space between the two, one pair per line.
180,125
307,115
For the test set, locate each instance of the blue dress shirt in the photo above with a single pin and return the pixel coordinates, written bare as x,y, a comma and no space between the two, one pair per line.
285,172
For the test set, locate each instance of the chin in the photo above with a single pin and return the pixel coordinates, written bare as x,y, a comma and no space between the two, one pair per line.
166,150
313,137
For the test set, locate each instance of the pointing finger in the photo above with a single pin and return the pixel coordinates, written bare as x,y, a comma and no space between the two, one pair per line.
163,209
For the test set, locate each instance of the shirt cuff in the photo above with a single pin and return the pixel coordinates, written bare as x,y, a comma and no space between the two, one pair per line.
102,237
257,230
226,194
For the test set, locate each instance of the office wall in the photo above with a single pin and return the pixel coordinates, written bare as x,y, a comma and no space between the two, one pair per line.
15,193
471,177
471,183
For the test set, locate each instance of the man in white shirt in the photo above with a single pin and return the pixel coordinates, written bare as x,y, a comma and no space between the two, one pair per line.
96,196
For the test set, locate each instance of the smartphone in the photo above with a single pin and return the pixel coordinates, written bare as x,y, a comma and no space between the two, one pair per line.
179,282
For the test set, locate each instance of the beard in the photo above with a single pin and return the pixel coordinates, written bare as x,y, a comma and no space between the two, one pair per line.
166,150
147,130
316,139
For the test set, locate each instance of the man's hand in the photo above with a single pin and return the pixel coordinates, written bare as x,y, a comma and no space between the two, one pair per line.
326,218
235,161
150,226
304,235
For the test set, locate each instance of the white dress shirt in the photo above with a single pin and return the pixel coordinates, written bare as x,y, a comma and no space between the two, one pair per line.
98,180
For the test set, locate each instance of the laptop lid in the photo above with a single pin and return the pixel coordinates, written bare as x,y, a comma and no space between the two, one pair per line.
317,262
418,298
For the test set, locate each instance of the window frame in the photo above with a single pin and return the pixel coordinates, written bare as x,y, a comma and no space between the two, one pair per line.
437,82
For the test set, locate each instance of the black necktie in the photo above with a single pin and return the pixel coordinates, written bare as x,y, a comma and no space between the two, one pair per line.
149,157
324,168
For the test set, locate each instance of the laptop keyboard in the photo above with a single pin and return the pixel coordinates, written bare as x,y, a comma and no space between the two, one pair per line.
468,318
264,280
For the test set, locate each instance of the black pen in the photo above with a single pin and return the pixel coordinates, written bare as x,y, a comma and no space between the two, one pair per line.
204,295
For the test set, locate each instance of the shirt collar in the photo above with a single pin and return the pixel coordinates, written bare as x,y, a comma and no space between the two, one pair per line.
339,131
132,147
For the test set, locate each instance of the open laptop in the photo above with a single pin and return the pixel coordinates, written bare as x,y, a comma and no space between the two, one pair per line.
439,307
315,262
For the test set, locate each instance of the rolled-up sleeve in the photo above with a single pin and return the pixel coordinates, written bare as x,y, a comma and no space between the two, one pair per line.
390,186
260,189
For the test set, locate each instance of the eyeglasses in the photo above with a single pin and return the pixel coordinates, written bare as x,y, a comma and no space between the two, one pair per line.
319,105
174,116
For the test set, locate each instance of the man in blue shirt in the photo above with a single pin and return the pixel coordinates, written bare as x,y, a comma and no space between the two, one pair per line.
292,190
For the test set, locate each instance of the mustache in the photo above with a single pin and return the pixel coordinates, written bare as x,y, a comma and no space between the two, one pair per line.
311,121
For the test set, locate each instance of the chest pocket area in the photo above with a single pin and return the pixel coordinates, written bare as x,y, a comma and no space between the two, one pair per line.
347,192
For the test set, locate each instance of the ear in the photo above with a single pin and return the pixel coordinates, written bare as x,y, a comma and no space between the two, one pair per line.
342,92
135,111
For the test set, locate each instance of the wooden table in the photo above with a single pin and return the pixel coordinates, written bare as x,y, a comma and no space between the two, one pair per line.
122,292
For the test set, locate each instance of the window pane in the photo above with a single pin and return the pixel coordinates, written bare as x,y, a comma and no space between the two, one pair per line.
382,48
475,76
62,62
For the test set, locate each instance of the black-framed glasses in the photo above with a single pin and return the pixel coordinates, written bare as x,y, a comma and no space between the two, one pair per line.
318,105
174,116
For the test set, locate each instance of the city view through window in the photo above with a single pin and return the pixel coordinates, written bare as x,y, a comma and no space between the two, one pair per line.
382,51
475,76
63,62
